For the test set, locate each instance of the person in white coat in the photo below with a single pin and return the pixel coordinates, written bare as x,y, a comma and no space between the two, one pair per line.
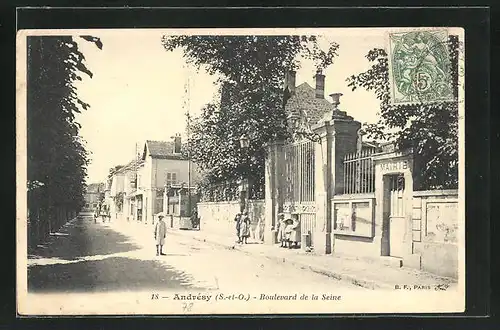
160,234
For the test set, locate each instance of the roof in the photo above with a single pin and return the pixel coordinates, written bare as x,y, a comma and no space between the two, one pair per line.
160,149
305,102
129,166
95,188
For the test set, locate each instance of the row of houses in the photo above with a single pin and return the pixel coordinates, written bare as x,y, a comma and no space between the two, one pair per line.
152,183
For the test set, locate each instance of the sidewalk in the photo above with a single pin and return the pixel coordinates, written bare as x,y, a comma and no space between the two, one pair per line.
362,272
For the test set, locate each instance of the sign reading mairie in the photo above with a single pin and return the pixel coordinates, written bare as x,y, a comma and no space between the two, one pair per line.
395,166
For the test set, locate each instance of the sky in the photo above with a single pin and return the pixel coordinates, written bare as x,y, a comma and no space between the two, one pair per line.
137,89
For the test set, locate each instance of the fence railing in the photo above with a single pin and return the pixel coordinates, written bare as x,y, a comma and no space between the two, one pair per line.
299,172
229,191
224,192
359,172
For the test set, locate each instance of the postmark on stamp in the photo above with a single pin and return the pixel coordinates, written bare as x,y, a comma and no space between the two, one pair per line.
419,67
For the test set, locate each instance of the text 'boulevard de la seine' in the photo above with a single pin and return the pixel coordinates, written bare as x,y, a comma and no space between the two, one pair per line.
246,297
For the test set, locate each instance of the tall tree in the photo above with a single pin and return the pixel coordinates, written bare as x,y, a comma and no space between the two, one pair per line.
431,129
57,158
250,73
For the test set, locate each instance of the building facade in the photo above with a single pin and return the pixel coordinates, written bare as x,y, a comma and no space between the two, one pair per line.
162,165
92,195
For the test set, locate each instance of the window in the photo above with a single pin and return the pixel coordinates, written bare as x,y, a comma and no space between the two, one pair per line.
354,217
133,181
170,178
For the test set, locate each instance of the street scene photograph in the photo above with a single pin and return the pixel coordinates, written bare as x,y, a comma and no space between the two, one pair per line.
240,171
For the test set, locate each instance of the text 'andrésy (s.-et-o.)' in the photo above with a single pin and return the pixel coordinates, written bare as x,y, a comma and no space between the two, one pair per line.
247,297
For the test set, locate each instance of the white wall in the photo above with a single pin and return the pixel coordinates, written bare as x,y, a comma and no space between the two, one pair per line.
142,177
160,168
219,217
128,178
118,184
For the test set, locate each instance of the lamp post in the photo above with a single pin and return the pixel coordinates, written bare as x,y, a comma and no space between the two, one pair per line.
244,145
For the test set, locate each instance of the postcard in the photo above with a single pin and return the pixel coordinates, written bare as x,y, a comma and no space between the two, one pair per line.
240,171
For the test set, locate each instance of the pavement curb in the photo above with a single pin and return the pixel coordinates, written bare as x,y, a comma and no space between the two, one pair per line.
355,280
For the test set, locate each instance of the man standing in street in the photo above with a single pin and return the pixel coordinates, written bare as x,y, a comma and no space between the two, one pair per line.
160,234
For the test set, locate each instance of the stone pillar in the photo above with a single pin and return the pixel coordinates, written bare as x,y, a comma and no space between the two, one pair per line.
409,259
324,179
269,194
274,190
179,202
346,141
279,170
148,207
165,201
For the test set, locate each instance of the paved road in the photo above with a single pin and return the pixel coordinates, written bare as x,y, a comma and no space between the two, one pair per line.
120,256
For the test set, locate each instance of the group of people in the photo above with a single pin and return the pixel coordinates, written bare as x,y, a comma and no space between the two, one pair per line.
288,231
242,227
102,211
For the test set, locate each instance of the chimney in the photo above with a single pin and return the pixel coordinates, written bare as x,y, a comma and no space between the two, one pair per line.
290,77
177,144
320,85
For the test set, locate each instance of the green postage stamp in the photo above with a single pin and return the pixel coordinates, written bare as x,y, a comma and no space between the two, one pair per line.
419,67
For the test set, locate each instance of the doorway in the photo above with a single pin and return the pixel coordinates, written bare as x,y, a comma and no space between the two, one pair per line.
394,213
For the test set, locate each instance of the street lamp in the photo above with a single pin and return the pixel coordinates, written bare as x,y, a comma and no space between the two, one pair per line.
244,144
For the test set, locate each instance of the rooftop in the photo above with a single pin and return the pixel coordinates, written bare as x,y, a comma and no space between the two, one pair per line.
128,167
95,187
160,149
305,102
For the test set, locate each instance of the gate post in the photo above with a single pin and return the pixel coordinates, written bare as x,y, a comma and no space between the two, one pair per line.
269,194
273,196
322,236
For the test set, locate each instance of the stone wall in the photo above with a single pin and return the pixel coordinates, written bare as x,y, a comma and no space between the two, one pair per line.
219,217
435,231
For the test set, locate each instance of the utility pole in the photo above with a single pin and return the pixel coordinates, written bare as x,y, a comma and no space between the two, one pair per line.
188,106
136,181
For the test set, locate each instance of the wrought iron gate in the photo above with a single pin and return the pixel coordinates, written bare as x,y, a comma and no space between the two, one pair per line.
299,183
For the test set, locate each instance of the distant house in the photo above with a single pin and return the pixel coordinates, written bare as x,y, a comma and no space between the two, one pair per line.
122,188
92,196
162,165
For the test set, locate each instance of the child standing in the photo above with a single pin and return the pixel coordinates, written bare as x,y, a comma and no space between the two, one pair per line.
160,234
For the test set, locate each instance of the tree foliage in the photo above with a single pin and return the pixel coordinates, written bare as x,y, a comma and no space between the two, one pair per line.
251,71
431,129
57,157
